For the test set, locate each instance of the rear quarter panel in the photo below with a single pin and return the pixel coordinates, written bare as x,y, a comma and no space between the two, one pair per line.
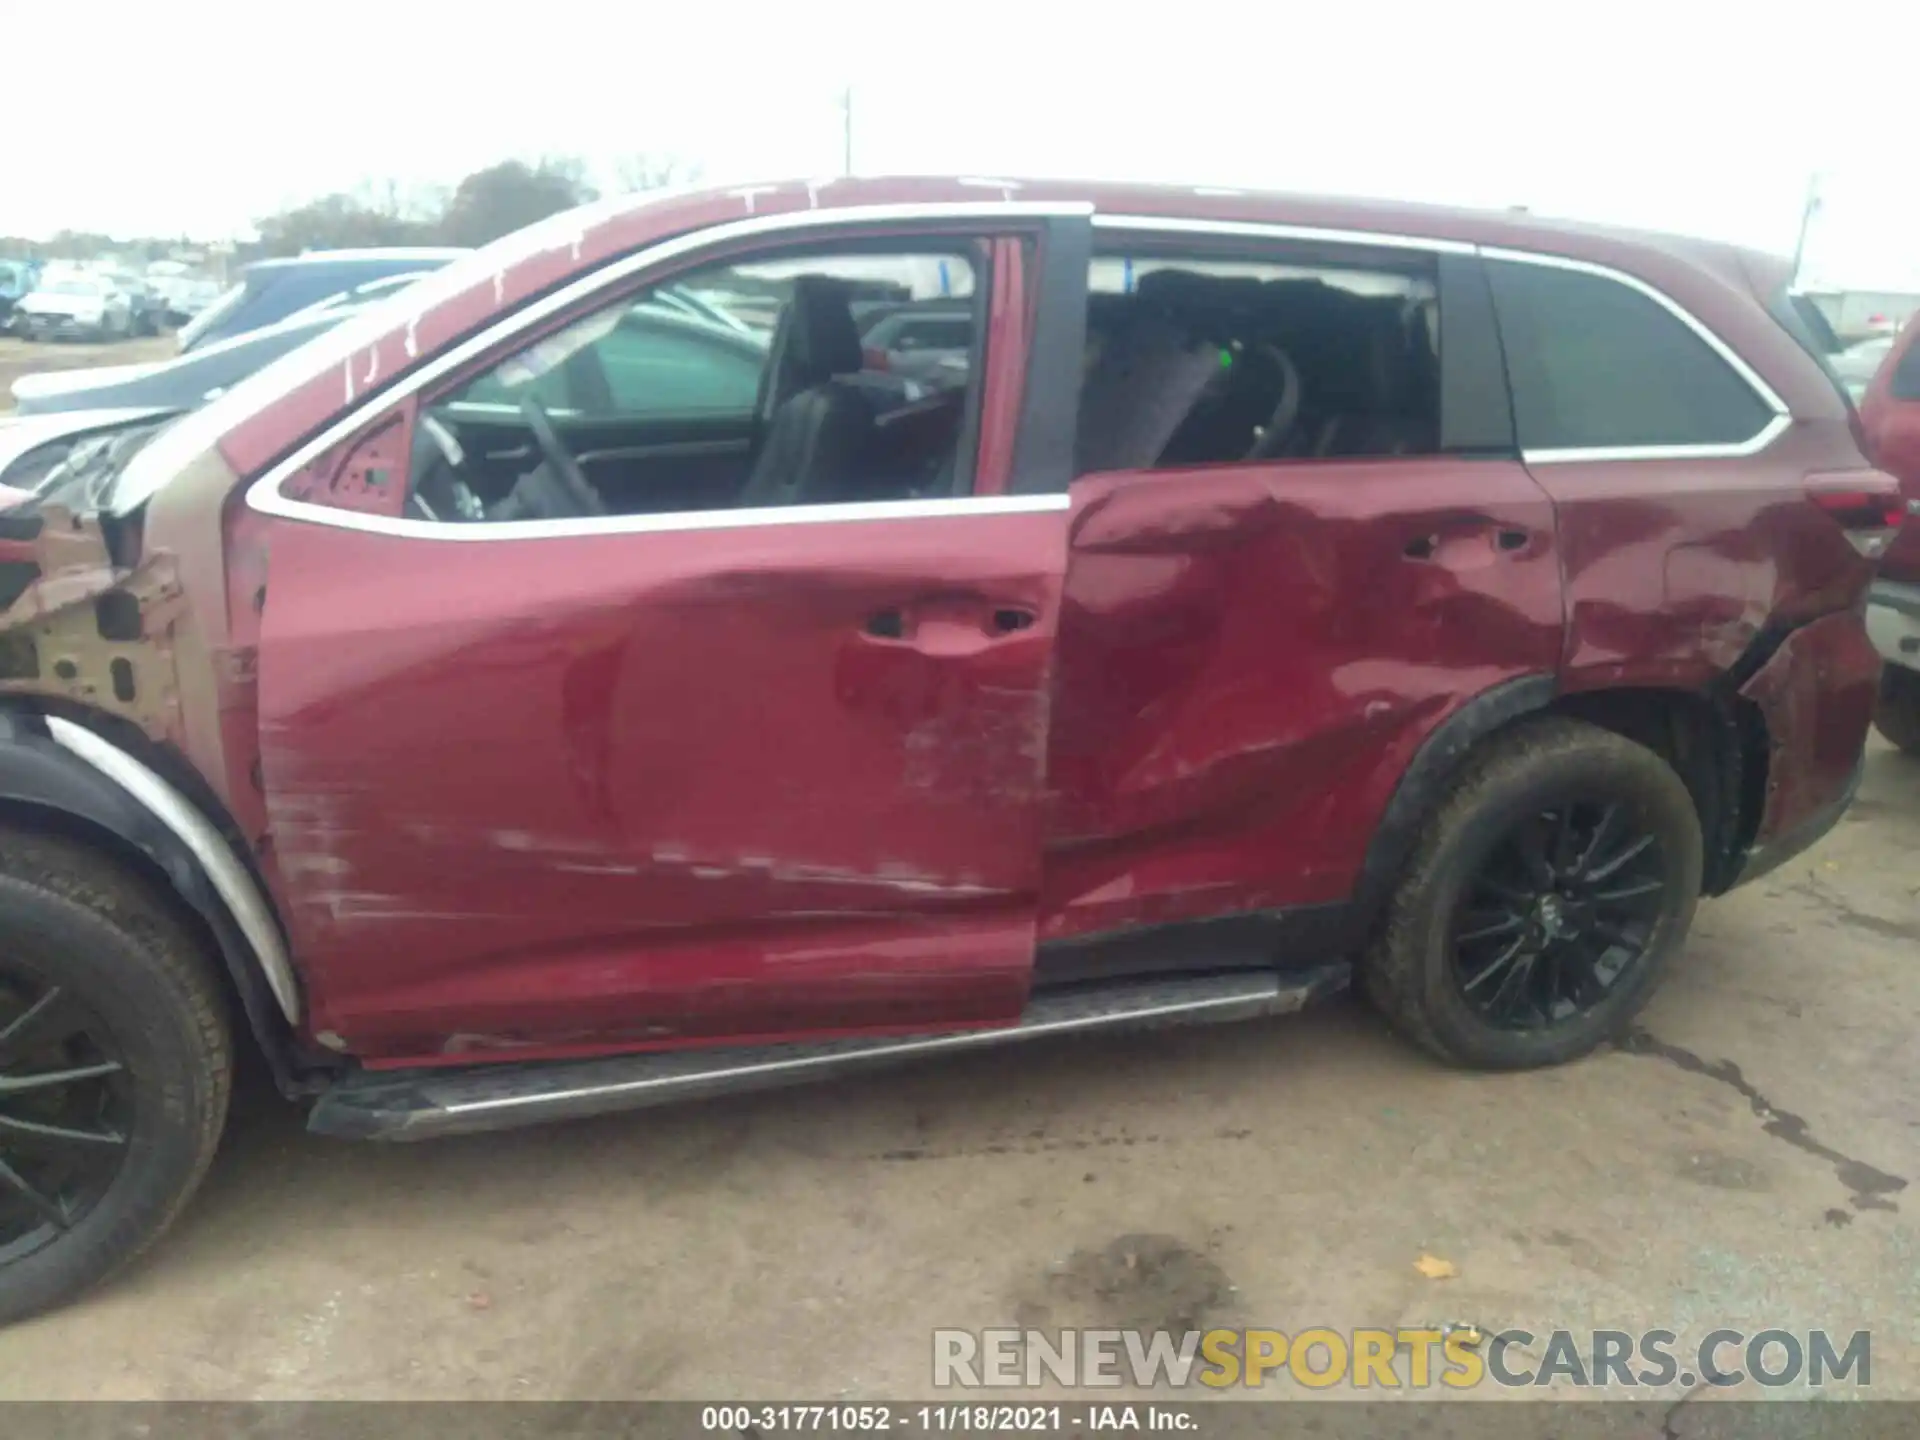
1674,568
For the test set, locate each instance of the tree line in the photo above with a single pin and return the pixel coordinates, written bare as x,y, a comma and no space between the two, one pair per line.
487,204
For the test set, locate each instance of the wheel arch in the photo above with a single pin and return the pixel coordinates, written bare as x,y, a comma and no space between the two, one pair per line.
1715,740
63,776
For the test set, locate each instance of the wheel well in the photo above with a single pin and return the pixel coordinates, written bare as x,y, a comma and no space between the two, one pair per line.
63,825
173,877
1717,744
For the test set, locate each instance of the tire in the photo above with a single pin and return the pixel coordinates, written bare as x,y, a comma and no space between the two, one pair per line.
1425,961
71,918
1897,715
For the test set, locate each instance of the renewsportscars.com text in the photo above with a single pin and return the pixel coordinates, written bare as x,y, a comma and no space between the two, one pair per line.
1417,1359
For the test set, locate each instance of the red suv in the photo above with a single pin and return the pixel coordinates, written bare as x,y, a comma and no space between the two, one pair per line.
1891,413
596,677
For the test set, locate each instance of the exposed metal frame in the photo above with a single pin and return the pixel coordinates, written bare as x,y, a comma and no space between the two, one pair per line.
229,877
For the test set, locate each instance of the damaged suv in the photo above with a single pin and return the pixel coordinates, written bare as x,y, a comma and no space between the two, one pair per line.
511,707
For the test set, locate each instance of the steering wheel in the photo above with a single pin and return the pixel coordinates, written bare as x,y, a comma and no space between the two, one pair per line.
1279,427
580,492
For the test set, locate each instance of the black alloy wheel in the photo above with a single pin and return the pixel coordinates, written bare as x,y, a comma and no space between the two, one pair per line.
66,1111
1548,891
115,1065
1561,912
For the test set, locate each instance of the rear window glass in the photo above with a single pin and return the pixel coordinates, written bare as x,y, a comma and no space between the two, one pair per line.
1595,364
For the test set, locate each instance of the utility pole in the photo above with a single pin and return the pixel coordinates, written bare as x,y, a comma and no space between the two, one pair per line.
1807,212
846,130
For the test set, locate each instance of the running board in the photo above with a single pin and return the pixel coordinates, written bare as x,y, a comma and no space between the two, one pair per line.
422,1104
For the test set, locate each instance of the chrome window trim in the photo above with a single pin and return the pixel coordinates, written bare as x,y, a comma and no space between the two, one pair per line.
231,880
1256,230
872,510
1573,455
264,494
1753,445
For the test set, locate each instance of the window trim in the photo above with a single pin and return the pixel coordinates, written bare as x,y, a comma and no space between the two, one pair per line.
1782,417
264,495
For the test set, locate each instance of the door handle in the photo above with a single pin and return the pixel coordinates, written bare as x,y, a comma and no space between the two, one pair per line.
1506,538
948,629
887,625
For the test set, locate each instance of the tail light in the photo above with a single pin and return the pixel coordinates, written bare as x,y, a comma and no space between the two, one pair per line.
874,358
1866,504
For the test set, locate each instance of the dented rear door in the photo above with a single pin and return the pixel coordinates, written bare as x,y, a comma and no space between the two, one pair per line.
1252,652
718,780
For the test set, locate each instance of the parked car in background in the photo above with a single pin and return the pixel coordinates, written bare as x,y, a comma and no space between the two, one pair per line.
74,305
17,279
664,344
1890,415
528,700
1858,364
147,310
180,383
270,290
185,296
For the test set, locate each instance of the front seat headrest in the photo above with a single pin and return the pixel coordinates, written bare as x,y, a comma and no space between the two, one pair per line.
822,340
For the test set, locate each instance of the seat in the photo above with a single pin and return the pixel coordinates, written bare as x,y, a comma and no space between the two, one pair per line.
1368,391
1147,373
816,428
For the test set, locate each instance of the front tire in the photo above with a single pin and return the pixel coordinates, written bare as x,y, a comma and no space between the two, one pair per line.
115,1066
1548,893
1897,715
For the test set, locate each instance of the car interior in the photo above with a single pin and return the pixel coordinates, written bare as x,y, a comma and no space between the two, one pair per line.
1195,368
1186,367
830,424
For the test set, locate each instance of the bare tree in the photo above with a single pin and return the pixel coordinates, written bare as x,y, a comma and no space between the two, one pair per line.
650,170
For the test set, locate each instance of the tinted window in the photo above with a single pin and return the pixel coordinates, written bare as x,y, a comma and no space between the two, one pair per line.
1596,364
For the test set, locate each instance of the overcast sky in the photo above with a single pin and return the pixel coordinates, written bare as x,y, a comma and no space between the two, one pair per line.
1684,115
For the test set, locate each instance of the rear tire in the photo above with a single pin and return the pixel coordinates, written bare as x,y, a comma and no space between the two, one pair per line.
1496,955
99,979
1897,715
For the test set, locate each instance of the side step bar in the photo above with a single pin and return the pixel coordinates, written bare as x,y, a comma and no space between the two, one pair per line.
421,1104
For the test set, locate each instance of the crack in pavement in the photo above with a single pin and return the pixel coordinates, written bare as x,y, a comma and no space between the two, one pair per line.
1672,1418
1870,1186
1852,915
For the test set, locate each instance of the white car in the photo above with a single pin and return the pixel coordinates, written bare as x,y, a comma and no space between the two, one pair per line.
1858,364
77,306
